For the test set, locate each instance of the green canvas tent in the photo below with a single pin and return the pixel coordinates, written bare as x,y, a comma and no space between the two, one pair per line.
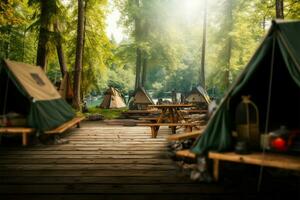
26,90
272,78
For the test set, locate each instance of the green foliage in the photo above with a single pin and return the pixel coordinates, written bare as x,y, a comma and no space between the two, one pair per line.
170,36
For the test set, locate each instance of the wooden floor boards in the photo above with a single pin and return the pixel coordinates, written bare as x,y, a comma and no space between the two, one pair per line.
102,162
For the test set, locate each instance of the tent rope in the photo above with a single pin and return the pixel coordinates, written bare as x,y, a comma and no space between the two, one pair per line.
268,110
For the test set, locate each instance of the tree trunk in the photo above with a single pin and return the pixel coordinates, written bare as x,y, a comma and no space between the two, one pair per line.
279,9
41,57
60,51
61,59
138,68
79,55
144,73
229,44
227,70
202,70
138,50
5,44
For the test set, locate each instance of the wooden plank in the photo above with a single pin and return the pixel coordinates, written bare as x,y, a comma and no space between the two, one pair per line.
111,188
87,179
90,173
81,145
133,161
80,156
166,124
81,166
79,152
16,130
141,196
65,126
185,135
186,153
268,159
24,131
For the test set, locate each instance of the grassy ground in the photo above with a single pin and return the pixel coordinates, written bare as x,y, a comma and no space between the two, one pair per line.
107,113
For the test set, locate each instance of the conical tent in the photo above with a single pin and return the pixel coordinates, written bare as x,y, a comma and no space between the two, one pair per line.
112,99
65,89
25,89
198,95
140,99
272,79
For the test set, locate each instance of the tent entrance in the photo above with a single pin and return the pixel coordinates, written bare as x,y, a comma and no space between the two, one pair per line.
285,94
11,99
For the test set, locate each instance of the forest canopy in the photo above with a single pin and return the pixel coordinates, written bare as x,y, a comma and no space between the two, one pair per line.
161,46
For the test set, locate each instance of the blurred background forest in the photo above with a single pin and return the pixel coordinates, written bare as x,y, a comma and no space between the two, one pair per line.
164,36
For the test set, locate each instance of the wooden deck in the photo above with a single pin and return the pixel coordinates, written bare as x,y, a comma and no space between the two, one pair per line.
102,162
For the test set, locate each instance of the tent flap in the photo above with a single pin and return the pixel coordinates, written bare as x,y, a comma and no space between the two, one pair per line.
46,115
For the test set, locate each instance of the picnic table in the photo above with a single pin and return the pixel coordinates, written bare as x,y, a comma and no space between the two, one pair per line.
170,116
171,112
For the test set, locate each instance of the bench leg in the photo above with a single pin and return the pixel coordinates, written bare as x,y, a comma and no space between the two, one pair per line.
154,131
173,128
24,139
216,169
189,128
78,125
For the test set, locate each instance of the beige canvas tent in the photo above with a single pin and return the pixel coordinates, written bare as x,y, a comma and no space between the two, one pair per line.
140,99
65,89
199,96
25,89
112,99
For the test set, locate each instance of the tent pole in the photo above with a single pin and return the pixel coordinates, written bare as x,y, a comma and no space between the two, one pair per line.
268,107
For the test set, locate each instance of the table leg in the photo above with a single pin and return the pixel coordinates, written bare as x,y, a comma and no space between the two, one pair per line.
180,116
161,117
172,116
154,131
24,139
216,169
173,128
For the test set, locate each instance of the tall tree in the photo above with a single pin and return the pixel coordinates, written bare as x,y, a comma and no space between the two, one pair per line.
279,9
43,38
202,69
138,30
229,19
49,33
79,55
59,49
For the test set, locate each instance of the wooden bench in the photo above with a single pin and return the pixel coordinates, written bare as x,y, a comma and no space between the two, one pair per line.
185,135
18,130
186,153
155,126
151,119
69,124
257,158
154,119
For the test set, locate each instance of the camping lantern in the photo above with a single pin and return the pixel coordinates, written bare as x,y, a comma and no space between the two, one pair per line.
247,123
